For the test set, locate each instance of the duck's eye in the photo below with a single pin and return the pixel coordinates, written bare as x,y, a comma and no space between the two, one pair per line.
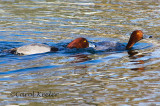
84,41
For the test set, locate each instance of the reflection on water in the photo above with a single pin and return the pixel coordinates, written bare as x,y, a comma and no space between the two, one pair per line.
82,77
133,55
80,58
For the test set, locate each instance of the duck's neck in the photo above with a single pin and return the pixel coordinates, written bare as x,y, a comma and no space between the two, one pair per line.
130,44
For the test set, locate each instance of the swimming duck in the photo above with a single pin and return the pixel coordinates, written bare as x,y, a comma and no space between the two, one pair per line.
78,43
136,36
81,42
32,49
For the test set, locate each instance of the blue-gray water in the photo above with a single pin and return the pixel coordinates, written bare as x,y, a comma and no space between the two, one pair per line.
79,77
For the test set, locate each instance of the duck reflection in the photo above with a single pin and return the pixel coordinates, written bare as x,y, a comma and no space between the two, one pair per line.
133,54
80,58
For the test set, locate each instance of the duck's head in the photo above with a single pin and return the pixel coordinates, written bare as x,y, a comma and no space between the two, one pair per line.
78,43
136,36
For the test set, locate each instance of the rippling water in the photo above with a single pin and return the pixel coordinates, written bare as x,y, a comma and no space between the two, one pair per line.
79,77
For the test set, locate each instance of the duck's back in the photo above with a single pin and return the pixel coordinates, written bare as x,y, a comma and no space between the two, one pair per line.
32,49
109,45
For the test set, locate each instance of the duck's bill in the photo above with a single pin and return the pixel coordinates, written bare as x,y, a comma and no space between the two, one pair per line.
147,36
92,45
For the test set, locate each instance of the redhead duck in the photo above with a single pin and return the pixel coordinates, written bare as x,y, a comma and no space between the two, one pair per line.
78,43
32,49
136,36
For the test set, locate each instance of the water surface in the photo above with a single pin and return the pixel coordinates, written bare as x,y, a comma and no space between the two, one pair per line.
79,77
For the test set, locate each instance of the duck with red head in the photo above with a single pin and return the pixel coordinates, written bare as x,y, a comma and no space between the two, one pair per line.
136,36
78,43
